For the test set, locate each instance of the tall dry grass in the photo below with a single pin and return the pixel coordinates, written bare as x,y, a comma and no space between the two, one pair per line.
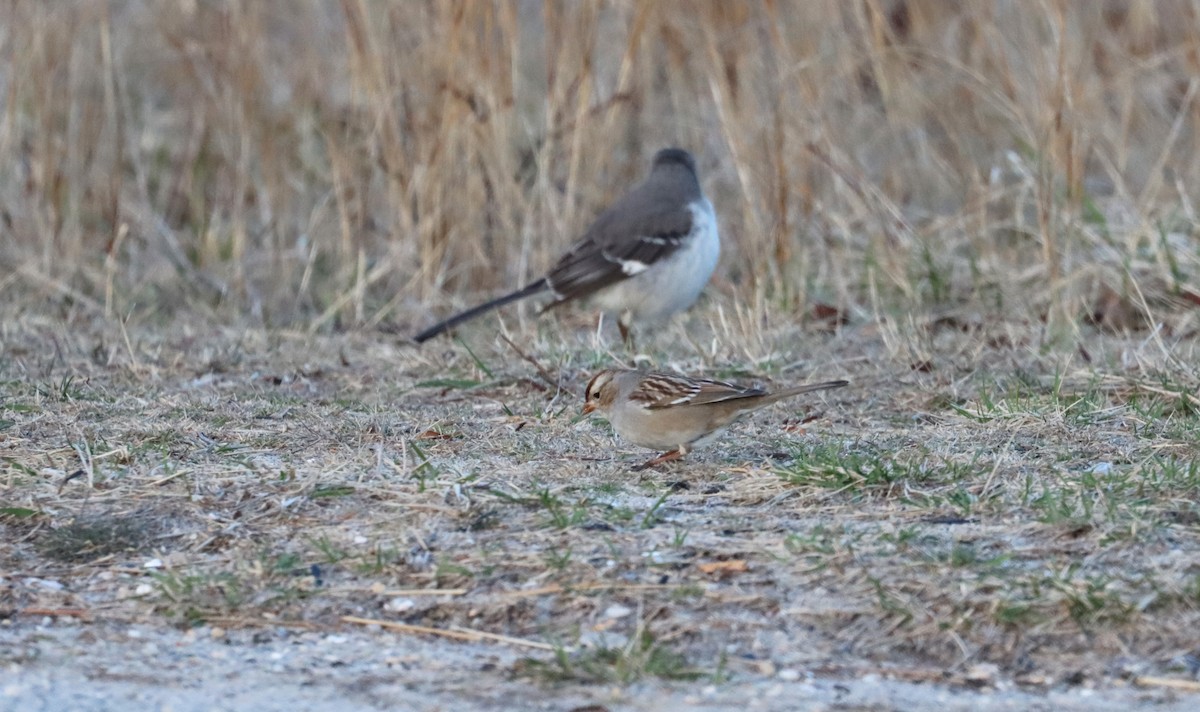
326,163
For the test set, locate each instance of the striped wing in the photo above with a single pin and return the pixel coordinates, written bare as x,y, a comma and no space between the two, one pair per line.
664,391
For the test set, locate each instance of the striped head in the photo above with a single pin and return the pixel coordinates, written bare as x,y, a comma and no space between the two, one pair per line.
601,391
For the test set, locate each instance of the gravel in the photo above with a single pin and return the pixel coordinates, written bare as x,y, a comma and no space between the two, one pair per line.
61,664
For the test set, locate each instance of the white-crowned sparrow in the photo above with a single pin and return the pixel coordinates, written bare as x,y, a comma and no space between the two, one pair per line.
675,413
645,258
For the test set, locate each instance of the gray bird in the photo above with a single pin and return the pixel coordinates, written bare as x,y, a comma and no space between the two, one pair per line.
644,259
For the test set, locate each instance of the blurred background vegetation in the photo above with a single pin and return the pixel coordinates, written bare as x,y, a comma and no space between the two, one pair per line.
325,164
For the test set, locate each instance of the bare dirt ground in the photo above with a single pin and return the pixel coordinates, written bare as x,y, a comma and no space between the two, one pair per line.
106,666
986,519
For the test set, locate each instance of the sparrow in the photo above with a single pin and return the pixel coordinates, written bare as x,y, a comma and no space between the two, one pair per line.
675,413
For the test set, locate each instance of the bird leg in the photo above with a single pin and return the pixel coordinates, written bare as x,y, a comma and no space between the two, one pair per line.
669,456
598,337
626,332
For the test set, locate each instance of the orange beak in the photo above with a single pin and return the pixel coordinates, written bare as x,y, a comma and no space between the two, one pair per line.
588,407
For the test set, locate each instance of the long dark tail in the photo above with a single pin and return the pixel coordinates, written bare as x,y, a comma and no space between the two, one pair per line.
527,290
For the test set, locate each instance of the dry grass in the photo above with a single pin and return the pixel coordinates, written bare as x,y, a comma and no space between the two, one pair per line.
981,213
314,163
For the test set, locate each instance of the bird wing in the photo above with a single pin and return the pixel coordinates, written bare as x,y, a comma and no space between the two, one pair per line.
624,241
665,392
720,391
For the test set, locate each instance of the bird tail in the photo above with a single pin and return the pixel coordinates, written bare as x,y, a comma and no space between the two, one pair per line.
806,388
528,290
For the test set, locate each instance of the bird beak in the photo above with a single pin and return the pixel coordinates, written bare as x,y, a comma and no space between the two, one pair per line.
588,407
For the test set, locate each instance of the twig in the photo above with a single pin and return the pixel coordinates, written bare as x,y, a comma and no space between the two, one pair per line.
457,633
520,642
163,480
556,588
228,622
545,375
63,612
1171,682
1186,397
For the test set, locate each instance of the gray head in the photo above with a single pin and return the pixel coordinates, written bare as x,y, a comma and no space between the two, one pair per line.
676,157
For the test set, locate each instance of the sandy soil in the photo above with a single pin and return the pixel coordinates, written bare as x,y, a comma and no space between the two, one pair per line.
62,665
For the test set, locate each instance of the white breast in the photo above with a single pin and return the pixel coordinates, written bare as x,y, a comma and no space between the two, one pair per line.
672,284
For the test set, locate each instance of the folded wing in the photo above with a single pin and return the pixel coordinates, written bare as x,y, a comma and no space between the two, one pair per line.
624,241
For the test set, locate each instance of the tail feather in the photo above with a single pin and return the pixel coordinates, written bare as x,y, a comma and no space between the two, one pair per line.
806,388
527,290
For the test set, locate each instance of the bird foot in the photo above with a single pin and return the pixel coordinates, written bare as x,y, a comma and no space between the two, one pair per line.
669,456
